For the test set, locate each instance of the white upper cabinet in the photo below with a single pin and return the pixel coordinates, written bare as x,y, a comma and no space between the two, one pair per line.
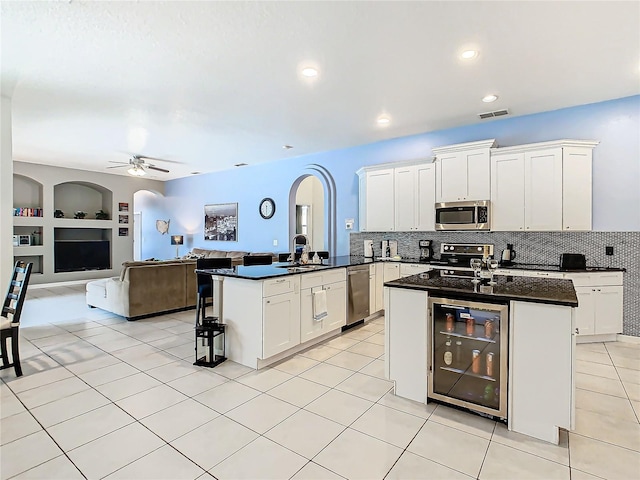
398,198
542,187
415,198
376,201
463,171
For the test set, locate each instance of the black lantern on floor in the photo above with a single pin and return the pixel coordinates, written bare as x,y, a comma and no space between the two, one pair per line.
210,343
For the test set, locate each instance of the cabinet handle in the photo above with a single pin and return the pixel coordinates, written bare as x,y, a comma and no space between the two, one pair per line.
268,301
281,280
577,331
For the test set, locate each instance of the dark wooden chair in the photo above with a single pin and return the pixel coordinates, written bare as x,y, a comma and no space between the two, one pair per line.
248,260
11,310
205,289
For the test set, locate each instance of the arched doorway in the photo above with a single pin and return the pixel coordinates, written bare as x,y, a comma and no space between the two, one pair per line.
317,190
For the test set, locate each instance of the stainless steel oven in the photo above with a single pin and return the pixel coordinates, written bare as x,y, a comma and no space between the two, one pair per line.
463,215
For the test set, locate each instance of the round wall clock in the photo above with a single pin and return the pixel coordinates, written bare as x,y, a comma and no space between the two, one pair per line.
267,208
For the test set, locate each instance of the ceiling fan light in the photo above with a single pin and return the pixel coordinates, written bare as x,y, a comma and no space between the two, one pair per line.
136,171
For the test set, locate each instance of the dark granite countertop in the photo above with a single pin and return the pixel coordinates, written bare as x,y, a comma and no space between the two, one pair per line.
280,269
526,289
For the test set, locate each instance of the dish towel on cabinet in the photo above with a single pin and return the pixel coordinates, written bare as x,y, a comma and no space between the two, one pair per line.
319,305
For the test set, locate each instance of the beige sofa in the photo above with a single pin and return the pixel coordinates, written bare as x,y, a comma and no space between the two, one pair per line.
146,288
149,288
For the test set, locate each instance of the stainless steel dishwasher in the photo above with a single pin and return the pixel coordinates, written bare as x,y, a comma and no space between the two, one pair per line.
358,284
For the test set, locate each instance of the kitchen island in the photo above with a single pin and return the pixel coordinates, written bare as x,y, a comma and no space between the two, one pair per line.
534,380
274,311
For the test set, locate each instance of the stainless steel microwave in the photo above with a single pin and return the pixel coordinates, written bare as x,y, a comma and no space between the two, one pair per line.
463,215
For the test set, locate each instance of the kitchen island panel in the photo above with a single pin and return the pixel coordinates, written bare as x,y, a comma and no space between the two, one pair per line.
407,340
541,369
242,313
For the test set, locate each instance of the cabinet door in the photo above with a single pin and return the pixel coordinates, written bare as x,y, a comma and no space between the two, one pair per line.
336,306
451,177
576,188
426,197
405,198
379,201
372,292
543,190
585,315
478,174
507,192
391,271
608,310
379,291
280,323
309,328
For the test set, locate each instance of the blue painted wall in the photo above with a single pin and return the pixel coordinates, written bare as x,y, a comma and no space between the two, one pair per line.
616,174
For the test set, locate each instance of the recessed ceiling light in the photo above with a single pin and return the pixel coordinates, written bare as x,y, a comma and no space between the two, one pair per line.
383,120
490,98
287,147
241,164
469,54
309,72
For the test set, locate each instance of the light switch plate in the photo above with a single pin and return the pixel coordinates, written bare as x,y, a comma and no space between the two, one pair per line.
275,242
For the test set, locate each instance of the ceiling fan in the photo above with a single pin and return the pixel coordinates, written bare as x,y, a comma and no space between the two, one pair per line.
138,166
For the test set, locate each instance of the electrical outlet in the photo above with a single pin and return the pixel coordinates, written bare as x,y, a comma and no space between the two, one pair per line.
275,242
609,250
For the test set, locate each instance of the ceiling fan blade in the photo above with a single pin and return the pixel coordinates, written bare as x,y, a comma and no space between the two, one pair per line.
119,166
121,163
142,157
153,167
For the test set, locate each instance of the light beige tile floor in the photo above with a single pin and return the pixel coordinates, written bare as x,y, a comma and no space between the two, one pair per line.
105,398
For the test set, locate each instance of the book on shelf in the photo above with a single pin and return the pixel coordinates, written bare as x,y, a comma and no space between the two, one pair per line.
27,212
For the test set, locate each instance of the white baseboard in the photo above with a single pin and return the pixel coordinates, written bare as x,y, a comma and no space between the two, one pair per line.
63,284
628,339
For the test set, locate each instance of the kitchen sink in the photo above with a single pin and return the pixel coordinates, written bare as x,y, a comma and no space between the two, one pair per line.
300,267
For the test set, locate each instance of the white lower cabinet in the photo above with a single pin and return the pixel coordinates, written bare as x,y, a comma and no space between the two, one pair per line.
280,323
334,283
600,297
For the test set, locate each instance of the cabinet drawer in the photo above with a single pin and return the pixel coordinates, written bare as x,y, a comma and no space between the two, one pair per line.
277,286
529,273
407,269
595,279
322,277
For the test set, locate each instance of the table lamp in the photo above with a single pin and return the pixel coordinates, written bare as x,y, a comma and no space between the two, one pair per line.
177,240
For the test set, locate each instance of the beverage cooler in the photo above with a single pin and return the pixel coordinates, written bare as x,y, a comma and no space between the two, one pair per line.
468,354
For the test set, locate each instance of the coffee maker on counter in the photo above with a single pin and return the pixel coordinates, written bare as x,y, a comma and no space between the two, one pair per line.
426,250
368,249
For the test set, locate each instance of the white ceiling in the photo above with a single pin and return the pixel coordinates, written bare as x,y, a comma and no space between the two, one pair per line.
211,84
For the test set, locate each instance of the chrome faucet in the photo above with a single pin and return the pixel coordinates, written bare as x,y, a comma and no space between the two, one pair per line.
297,240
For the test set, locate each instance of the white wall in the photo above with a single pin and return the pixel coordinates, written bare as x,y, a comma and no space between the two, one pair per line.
6,194
122,190
310,192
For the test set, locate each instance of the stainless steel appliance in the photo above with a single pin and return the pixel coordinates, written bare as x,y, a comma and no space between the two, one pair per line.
426,251
368,249
468,354
393,248
463,215
508,255
460,254
358,293
385,252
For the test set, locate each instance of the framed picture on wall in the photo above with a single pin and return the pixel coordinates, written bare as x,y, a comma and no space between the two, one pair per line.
123,207
221,222
123,218
123,232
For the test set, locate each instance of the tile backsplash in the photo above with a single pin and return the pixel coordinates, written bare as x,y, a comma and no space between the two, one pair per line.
536,247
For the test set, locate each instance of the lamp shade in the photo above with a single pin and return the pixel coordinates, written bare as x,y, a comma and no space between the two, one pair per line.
177,239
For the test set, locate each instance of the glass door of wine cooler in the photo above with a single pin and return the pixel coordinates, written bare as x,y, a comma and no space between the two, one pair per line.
468,354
